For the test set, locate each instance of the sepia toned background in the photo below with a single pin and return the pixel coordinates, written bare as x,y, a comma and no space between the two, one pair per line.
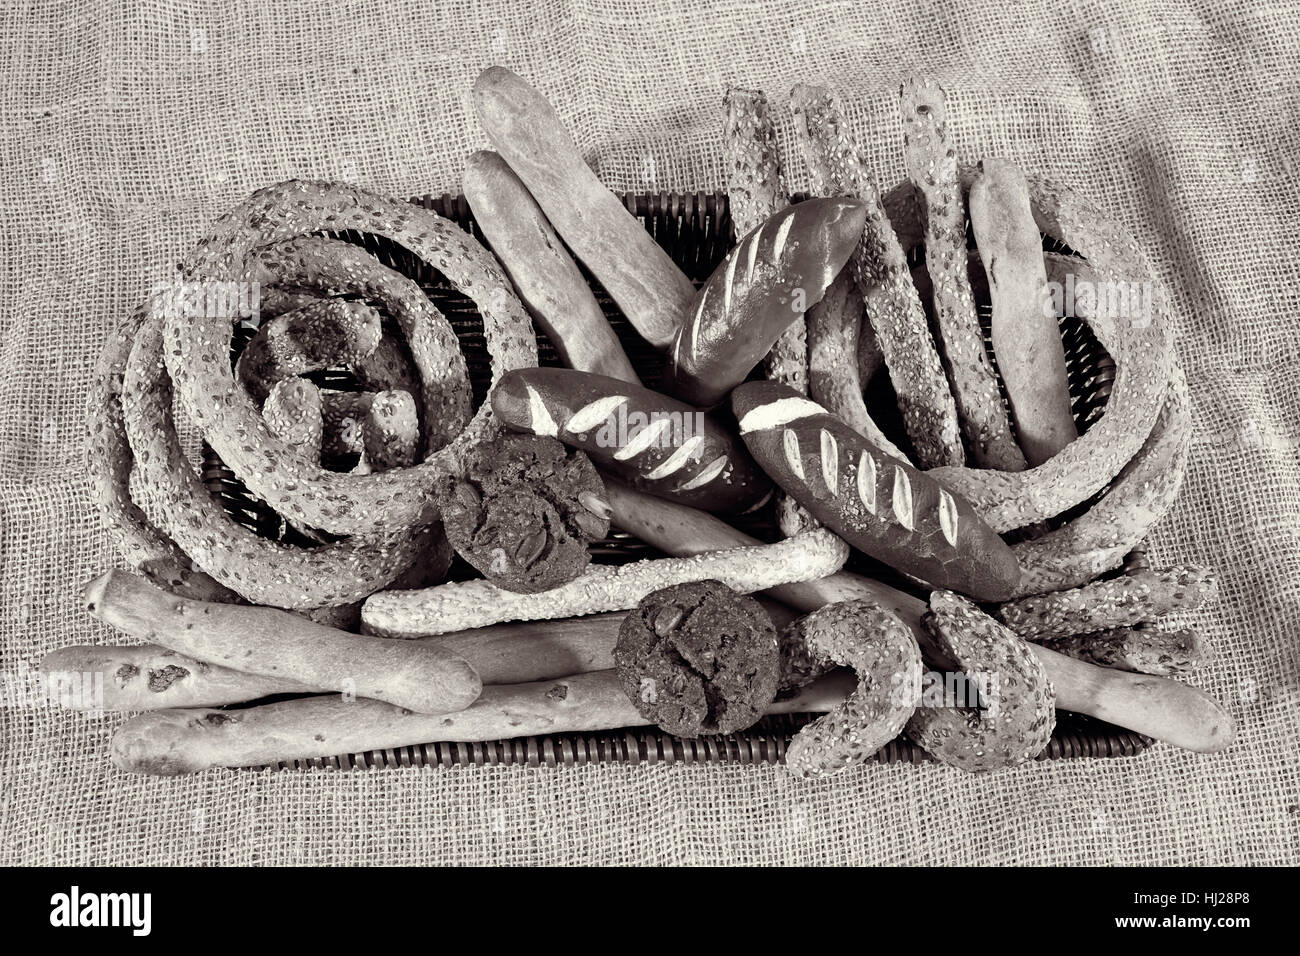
125,127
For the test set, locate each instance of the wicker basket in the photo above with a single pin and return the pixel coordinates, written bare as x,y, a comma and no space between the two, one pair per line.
695,229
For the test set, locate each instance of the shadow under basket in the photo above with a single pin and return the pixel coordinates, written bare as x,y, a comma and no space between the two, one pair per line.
696,231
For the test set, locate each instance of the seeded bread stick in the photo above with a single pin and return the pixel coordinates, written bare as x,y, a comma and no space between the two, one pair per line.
1138,598
525,129
170,742
833,367
754,193
1155,706
390,432
1144,650
932,167
293,413
1143,492
1026,337
880,269
271,642
543,272
467,604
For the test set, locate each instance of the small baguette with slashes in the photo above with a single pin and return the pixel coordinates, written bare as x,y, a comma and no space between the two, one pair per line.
652,442
769,280
880,505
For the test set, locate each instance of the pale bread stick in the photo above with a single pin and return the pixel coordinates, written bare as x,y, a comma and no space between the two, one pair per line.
932,167
525,129
1026,337
271,642
466,604
544,274
880,269
170,742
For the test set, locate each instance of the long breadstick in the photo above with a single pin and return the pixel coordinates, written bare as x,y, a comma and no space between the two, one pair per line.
755,192
880,268
150,677
267,641
1146,650
171,742
649,288
1026,337
932,167
834,325
1136,598
467,604
545,276
1155,706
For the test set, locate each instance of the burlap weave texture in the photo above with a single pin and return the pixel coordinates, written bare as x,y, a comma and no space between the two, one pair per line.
126,126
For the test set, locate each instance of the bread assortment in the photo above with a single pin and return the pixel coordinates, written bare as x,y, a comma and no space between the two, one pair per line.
348,414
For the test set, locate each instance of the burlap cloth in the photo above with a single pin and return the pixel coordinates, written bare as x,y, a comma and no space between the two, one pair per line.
127,126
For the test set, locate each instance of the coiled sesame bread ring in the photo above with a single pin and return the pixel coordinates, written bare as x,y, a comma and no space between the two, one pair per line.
197,349
1138,344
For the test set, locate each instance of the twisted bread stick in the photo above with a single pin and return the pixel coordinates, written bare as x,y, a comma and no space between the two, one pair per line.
467,604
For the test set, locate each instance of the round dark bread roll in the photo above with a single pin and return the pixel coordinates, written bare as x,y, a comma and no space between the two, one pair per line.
525,511
698,658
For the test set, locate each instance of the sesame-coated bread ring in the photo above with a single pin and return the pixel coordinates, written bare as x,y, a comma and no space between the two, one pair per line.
883,653
197,352
1019,712
317,336
1139,347
261,570
1098,540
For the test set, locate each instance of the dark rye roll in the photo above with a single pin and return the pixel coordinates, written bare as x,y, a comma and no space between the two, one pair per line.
650,441
878,504
774,275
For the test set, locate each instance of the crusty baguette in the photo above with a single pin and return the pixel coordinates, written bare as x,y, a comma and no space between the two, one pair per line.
649,440
880,268
525,129
1156,706
773,275
880,505
271,642
543,273
1026,338
171,742
932,167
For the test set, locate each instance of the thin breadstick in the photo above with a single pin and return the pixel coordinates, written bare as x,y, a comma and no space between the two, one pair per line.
170,742
271,642
1136,598
932,167
544,274
833,328
880,269
1026,337
1144,650
467,604
151,677
754,193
